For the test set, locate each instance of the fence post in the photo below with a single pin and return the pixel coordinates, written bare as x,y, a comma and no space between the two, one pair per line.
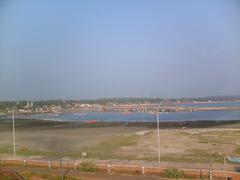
143,170
24,162
49,164
210,174
109,168
75,166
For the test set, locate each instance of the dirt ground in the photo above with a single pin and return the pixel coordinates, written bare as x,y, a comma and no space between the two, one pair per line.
119,144
46,174
61,139
176,144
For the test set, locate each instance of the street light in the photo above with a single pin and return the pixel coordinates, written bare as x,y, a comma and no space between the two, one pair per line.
159,145
158,133
14,138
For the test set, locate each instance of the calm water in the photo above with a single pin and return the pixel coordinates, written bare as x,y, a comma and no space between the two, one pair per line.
146,117
215,104
142,117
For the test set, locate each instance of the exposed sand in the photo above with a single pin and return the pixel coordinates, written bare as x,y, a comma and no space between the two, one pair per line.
182,147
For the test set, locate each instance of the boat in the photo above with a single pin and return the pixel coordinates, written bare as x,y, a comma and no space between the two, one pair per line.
233,159
91,121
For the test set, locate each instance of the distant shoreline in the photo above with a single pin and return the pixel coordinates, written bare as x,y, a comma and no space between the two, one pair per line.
117,105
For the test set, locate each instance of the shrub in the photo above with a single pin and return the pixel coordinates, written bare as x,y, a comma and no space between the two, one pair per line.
88,166
173,173
23,149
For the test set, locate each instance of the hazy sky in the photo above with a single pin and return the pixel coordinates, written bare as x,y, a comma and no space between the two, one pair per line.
121,48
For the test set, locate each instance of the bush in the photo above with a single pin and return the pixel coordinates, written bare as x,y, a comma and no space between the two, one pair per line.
173,173
88,167
23,149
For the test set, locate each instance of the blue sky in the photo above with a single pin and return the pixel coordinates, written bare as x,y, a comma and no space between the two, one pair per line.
126,48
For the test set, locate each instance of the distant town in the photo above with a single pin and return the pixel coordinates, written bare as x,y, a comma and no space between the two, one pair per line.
124,105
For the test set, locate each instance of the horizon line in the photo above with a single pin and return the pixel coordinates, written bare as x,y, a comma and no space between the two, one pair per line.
115,98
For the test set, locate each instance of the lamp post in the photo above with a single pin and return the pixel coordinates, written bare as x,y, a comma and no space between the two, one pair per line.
14,137
158,133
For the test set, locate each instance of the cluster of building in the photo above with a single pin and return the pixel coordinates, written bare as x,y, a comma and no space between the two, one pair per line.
30,107
125,107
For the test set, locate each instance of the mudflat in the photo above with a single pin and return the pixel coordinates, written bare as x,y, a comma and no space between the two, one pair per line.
123,143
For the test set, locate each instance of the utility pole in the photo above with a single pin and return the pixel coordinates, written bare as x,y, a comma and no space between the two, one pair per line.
158,132
158,135
14,136
14,142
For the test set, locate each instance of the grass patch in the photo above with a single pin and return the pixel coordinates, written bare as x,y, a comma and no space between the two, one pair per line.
174,173
217,137
185,159
7,149
203,156
104,150
36,153
107,149
237,150
183,133
87,166
192,156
